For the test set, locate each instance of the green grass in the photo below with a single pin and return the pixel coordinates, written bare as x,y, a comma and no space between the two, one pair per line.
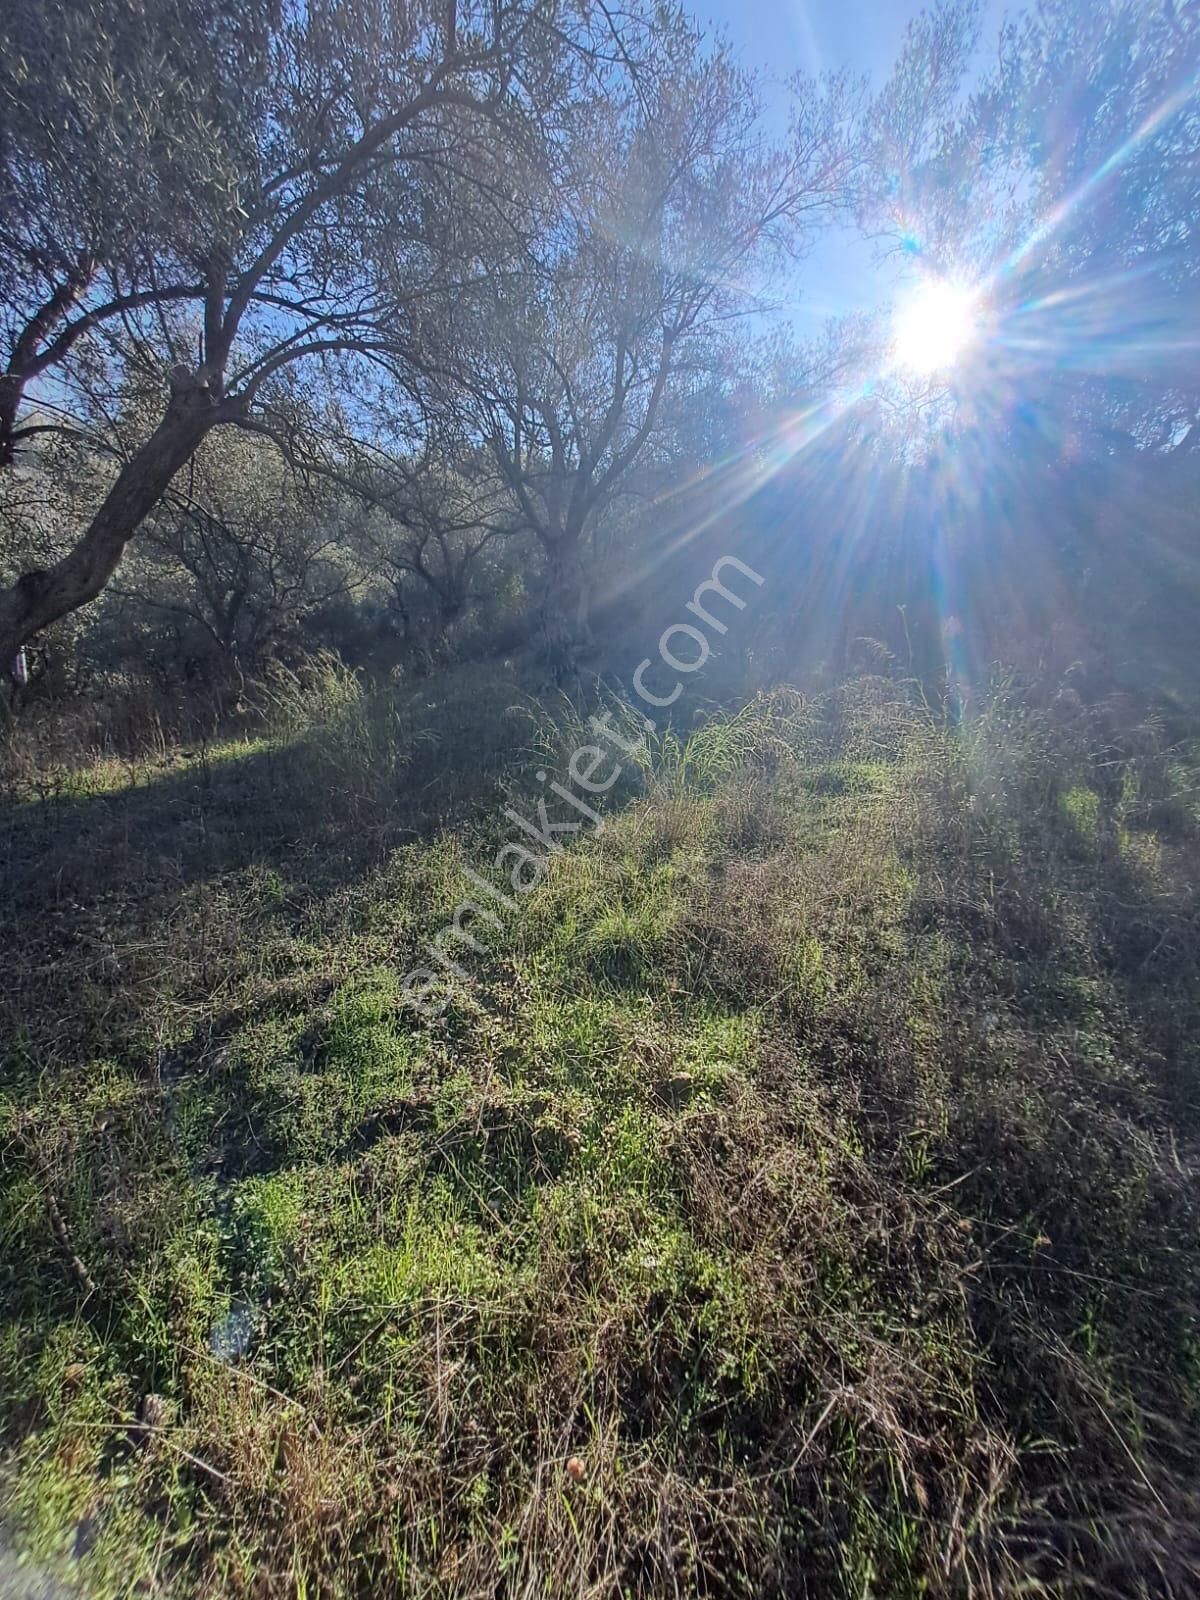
802,1201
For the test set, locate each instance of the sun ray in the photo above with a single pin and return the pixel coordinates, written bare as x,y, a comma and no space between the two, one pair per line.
1116,158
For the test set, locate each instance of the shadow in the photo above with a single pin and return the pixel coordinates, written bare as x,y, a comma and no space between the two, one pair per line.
170,879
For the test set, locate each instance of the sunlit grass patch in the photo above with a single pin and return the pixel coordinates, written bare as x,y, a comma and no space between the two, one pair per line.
438,1250
104,775
814,1138
849,777
1081,807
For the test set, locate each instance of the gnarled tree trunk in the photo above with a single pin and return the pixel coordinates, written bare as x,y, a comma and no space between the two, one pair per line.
565,607
40,598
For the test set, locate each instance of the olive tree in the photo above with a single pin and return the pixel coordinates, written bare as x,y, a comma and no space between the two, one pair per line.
124,137
355,124
237,556
675,208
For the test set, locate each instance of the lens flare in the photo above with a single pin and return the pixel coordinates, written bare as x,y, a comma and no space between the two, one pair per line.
933,327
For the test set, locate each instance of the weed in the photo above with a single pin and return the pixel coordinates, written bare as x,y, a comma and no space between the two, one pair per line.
801,1202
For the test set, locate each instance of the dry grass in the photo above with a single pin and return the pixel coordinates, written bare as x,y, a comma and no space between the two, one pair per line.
802,1203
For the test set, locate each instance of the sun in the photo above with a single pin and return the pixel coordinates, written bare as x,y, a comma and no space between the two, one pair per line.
933,327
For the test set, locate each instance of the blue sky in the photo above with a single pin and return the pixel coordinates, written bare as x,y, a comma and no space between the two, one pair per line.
816,35
780,36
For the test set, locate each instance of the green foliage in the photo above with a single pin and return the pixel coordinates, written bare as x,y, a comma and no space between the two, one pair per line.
803,1179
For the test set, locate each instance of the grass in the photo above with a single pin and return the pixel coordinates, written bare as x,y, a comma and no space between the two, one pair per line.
801,1201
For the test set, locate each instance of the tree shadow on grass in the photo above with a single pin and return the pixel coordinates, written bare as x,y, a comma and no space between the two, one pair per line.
176,873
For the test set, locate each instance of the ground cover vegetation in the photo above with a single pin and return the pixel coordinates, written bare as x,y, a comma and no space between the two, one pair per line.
797,1194
801,1200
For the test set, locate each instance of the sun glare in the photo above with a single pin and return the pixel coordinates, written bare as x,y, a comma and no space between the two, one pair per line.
933,327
